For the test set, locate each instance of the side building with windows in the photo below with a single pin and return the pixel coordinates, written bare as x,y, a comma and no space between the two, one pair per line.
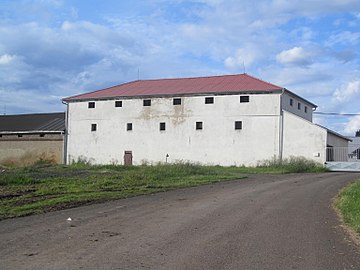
226,120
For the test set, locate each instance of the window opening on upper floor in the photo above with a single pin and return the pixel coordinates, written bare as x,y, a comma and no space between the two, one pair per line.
118,103
147,102
244,99
177,101
209,100
91,105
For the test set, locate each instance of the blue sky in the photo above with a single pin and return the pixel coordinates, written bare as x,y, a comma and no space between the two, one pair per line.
50,49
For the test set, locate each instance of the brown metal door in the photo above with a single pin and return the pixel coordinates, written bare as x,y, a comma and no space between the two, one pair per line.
128,158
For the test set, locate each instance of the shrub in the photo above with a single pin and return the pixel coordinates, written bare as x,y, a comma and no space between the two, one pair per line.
294,165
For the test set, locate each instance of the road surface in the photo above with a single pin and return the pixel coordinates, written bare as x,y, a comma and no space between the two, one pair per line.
267,222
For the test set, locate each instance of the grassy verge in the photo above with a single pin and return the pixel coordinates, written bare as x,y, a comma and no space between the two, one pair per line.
348,203
37,189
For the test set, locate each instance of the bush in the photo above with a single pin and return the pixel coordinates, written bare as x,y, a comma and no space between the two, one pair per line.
294,165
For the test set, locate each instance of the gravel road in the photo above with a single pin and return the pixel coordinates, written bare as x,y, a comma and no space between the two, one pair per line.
267,222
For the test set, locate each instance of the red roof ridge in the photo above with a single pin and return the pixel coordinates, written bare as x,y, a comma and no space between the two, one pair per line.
260,80
196,77
95,91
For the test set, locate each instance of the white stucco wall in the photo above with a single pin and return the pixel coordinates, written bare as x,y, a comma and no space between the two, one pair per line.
303,138
218,142
285,103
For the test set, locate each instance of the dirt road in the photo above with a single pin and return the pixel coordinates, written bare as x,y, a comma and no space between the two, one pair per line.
263,222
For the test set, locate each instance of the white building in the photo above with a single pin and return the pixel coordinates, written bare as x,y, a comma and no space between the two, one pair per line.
225,120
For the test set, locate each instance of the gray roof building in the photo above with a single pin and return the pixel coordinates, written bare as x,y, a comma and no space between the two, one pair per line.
32,123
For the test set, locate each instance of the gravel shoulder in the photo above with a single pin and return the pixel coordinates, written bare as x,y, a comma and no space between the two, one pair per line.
262,222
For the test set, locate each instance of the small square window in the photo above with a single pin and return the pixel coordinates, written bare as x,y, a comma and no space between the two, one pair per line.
177,101
238,124
42,135
291,102
129,126
305,109
209,100
299,106
91,105
93,127
162,126
199,125
118,103
19,135
244,99
147,102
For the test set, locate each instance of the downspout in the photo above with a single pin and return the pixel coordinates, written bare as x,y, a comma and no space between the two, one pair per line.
281,127
66,132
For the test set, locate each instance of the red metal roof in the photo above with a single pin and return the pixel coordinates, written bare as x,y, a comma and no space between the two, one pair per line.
182,86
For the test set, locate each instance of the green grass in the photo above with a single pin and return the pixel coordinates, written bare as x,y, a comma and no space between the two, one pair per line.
40,188
348,202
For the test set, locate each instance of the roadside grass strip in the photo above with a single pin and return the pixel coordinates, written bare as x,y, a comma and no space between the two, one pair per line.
348,202
43,188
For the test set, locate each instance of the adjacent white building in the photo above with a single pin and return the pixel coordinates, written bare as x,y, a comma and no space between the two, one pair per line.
226,120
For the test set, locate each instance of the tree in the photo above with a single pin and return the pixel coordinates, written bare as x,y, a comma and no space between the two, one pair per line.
357,134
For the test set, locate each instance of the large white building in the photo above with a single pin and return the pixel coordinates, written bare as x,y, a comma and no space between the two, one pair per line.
225,120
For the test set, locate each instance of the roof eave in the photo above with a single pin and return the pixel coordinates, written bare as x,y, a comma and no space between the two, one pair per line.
335,133
299,97
32,132
272,91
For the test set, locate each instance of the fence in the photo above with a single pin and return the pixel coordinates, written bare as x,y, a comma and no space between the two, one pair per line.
342,154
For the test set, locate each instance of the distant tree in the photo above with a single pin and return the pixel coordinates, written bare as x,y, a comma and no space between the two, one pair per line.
357,134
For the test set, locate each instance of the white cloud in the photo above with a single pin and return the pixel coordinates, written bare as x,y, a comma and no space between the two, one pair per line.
348,92
353,125
6,59
345,37
243,57
294,56
312,8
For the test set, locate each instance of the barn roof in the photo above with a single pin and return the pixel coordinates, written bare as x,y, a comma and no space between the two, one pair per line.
32,123
182,86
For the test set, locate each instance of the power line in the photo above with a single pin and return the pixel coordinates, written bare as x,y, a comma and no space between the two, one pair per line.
337,114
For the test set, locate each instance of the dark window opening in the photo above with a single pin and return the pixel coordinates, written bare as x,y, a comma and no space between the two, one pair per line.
209,100
91,105
19,135
238,124
162,126
199,125
129,126
42,135
93,127
291,102
118,103
299,106
305,109
244,99
147,102
177,101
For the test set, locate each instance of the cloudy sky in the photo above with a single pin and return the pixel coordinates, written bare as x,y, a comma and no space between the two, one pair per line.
50,49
